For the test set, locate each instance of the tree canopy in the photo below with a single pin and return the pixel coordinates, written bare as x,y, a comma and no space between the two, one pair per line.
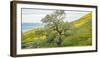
56,26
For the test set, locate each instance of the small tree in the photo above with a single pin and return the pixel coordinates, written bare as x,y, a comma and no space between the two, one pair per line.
54,23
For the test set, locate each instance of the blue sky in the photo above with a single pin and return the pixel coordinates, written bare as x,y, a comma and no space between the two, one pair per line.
35,15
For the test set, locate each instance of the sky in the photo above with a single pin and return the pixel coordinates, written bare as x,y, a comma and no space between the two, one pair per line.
35,15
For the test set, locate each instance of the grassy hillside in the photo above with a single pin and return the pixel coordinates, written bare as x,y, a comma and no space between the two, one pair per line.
80,35
82,20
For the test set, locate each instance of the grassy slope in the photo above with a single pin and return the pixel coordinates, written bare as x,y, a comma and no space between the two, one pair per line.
30,37
80,34
82,20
